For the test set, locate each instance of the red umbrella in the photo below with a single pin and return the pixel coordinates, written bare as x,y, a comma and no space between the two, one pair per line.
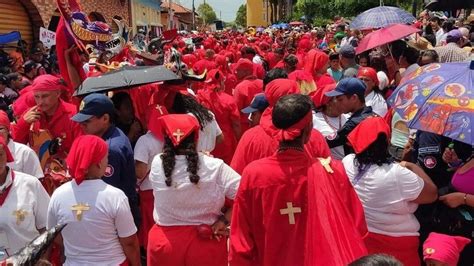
296,23
386,35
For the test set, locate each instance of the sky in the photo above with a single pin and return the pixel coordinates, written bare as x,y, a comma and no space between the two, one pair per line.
227,7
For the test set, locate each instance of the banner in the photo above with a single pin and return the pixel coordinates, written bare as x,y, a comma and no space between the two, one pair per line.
47,37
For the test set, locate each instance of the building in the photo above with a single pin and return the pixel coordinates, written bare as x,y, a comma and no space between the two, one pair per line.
146,15
182,16
258,13
27,16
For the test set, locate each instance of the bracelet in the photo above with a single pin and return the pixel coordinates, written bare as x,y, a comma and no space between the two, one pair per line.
465,199
223,219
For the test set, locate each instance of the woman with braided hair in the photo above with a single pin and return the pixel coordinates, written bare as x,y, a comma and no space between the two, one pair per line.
189,190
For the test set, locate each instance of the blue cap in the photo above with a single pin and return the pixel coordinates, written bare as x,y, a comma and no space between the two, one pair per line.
94,104
347,51
259,103
348,86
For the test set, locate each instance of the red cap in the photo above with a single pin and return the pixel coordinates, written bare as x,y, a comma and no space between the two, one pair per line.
367,132
319,97
179,126
243,64
444,248
48,83
86,150
370,73
278,88
3,144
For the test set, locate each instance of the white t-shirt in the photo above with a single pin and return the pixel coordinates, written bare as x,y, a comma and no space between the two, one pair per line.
377,102
387,193
94,239
23,212
26,160
186,203
207,135
145,150
330,131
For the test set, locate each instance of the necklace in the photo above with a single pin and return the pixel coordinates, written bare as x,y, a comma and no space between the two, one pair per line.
331,126
281,149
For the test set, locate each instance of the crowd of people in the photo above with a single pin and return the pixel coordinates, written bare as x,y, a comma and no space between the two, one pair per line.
287,153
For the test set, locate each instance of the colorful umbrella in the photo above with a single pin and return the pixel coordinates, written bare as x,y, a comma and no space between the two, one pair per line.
382,16
438,98
383,36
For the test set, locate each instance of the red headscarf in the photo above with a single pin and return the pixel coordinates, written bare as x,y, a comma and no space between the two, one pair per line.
154,125
86,150
369,73
444,248
315,60
293,131
278,88
3,144
367,132
190,60
214,78
179,126
47,83
319,97
4,120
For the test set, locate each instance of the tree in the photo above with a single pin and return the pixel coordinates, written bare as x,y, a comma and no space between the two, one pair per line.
241,17
206,12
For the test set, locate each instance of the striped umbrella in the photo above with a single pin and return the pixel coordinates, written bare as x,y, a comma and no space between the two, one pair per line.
380,17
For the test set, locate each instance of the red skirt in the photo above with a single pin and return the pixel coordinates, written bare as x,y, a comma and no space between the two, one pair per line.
404,248
181,245
147,202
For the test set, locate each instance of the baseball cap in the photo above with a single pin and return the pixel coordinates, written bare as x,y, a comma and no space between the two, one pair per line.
259,103
348,86
347,51
36,50
454,36
94,104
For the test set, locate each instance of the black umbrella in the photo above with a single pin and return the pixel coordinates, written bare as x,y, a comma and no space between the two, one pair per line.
125,77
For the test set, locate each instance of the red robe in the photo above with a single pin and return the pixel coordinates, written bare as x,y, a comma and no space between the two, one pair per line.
243,96
327,224
257,143
225,110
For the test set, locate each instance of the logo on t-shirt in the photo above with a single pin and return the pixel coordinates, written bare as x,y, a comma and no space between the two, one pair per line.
109,171
430,162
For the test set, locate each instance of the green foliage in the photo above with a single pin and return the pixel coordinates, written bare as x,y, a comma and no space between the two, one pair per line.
327,9
206,12
241,17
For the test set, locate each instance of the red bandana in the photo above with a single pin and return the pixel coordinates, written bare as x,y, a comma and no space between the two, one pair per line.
179,126
369,73
85,151
156,111
294,131
367,132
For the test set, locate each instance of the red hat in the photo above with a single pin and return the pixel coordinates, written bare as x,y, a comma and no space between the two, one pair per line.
315,60
86,150
3,144
179,126
48,83
154,125
278,88
243,64
319,97
444,248
369,73
367,132
4,120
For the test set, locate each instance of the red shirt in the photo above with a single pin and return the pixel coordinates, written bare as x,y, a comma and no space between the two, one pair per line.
290,211
60,126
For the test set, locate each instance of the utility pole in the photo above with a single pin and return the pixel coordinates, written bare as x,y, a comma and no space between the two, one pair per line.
170,15
194,17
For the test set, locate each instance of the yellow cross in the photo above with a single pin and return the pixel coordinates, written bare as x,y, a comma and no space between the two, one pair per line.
20,215
158,107
290,210
178,134
325,162
79,209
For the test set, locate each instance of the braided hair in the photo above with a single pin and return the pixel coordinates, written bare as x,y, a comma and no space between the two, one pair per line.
188,148
184,104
